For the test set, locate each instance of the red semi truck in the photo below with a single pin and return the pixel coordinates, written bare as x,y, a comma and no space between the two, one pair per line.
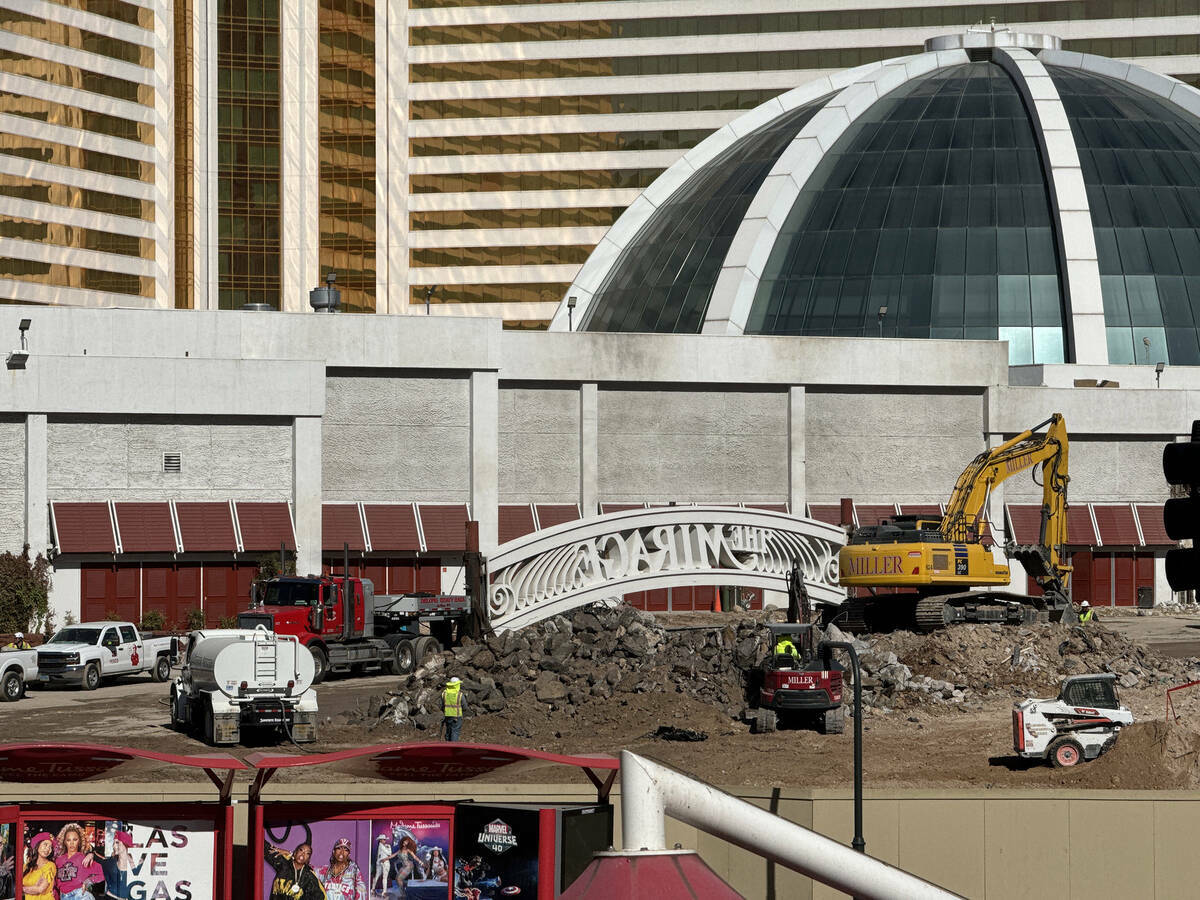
350,628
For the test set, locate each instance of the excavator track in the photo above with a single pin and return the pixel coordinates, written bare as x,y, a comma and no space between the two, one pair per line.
931,614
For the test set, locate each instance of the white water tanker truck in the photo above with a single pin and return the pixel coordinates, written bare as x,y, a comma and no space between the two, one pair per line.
233,679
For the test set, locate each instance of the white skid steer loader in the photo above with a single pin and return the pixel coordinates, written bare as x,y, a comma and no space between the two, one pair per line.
1080,724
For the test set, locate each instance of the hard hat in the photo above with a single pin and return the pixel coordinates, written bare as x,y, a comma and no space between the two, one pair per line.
454,680
1085,604
19,635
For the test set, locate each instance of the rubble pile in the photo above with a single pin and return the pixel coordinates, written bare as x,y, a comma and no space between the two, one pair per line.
593,654
965,662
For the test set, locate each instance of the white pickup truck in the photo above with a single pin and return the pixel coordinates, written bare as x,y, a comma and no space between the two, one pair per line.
17,669
86,653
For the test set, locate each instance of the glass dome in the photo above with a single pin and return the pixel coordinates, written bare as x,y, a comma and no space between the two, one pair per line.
663,280
934,206
1141,163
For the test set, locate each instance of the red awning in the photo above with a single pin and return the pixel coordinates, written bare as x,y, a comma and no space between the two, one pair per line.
83,528
606,508
341,525
434,762
265,525
206,526
551,514
145,527
1117,525
874,513
1079,526
515,520
931,510
1025,523
393,526
52,763
444,525
829,513
1150,515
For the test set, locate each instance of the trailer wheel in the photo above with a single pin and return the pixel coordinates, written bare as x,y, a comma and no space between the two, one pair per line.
12,687
91,677
1065,752
833,721
320,664
162,669
403,659
424,648
208,728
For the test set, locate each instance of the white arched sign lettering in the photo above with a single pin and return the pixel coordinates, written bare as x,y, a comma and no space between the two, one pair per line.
557,569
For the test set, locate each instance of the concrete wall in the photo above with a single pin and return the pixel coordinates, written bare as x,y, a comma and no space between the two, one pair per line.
1104,471
539,444
1001,845
120,458
716,444
391,437
12,483
889,447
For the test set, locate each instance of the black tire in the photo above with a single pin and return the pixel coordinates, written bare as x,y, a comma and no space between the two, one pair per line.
832,721
425,647
12,687
162,669
91,677
1065,753
403,660
208,729
320,664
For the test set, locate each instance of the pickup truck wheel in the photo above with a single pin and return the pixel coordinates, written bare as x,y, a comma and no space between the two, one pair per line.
162,669
1065,752
12,687
91,677
320,664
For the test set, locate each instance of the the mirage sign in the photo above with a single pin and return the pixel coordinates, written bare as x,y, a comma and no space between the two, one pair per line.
554,570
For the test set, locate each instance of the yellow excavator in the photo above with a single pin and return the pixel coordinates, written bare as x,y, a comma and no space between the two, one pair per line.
940,569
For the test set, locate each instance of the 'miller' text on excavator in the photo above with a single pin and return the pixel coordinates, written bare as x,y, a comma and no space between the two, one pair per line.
940,571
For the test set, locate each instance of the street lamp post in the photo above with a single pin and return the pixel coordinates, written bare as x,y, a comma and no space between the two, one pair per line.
429,296
882,316
826,648
571,313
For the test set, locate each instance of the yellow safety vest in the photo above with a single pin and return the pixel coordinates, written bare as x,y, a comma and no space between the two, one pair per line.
786,646
452,701
1087,616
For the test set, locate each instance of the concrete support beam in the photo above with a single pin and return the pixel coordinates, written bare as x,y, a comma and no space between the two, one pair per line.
797,450
485,452
589,449
37,516
307,492
995,505
300,153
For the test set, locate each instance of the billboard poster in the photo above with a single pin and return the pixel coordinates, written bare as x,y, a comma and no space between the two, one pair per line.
495,852
8,861
82,859
356,859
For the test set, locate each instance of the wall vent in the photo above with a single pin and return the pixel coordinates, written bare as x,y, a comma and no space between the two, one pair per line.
172,463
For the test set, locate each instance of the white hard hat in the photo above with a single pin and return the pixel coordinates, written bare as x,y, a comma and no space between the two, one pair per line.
19,635
455,680
1085,603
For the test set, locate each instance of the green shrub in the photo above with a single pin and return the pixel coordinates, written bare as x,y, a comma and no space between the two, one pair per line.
69,619
228,622
111,616
24,592
153,620
195,619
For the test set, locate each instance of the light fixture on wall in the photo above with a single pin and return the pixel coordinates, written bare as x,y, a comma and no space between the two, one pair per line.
18,358
1158,370
429,296
882,316
571,313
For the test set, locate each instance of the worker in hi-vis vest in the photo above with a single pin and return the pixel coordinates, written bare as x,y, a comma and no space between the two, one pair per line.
785,647
1086,613
452,708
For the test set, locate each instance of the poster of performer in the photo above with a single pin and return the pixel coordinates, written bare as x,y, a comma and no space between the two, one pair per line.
94,858
496,852
8,861
410,859
316,860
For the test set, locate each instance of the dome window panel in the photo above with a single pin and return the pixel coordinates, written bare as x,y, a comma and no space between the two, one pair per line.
1144,306
1012,292
1020,344
1048,346
1120,346
1116,303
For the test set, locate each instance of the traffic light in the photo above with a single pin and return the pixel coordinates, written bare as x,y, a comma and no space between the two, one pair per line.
1181,515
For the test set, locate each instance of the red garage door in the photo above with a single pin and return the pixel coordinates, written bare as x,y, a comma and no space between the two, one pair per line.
110,591
226,590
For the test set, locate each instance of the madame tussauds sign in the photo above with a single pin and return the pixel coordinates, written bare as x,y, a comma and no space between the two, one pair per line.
551,571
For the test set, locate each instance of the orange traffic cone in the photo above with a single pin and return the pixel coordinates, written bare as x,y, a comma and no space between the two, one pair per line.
716,607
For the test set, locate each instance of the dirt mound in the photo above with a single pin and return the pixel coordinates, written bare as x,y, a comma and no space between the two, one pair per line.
1146,756
963,662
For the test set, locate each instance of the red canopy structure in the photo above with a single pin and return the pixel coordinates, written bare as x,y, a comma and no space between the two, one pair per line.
434,761
48,763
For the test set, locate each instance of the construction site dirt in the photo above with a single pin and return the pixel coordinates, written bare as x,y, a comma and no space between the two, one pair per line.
944,721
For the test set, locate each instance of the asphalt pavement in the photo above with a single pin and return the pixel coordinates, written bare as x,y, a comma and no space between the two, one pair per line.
1170,635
